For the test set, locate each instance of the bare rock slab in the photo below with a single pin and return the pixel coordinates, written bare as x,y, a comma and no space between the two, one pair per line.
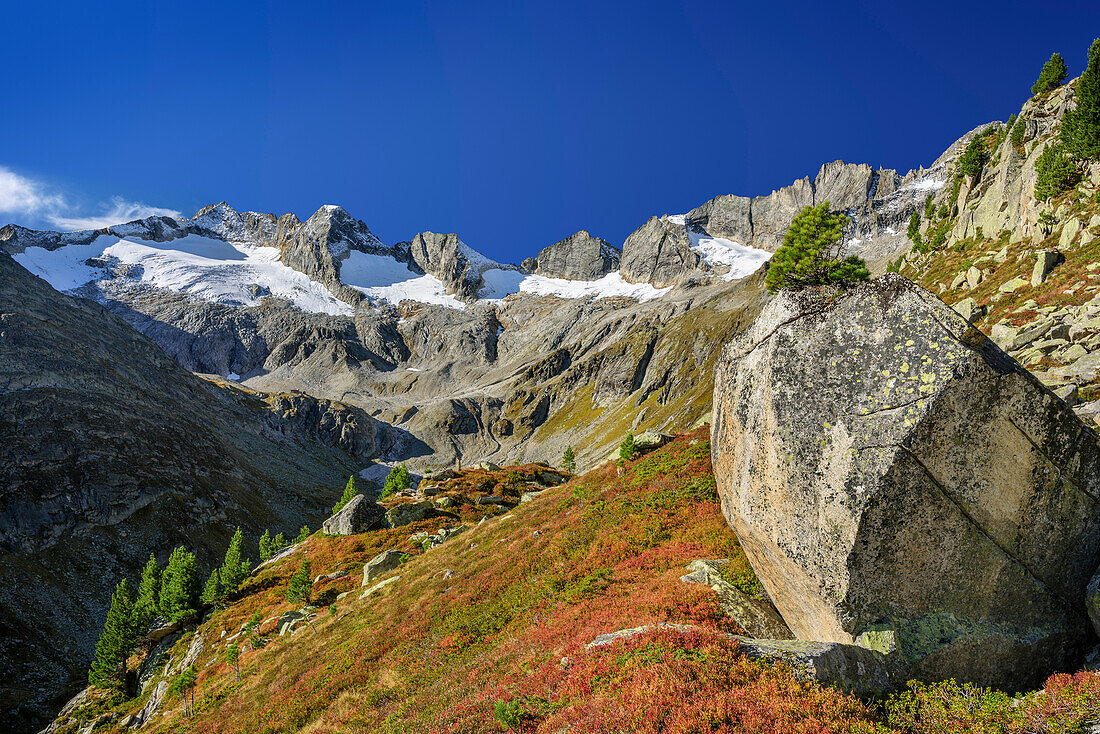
893,476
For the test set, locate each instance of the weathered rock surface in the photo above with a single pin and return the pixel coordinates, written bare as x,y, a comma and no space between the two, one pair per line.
451,260
756,616
357,516
580,256
384,562
658,252
891,473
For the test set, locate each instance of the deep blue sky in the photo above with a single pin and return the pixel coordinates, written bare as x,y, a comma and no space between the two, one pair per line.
511,123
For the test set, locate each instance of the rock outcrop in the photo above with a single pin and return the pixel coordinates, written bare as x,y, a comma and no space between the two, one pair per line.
357,516
580,256
898,481
658,252
451,260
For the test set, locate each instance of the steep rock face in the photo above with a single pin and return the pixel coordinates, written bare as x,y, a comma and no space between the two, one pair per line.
580,256
318,246
897,480
110,450
659,252
450,259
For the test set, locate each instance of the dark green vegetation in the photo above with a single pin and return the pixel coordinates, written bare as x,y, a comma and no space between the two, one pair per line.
350,490
1081,126
1052,76
810,253
397,480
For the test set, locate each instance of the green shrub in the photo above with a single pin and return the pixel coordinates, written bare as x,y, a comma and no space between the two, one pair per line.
298,588
973,158
929,207
810,254
627,448
396,481
568,461
1054,172
1081,126
943,211
1016,137
1052,76
914,227
509,714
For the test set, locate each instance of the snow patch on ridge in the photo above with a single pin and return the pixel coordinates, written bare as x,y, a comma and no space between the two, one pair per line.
211,269
501,283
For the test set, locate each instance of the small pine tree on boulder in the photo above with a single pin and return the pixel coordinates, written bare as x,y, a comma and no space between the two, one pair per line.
1081,126
298,588
117,640
810,254
973,158
349,491
1052,76
568,461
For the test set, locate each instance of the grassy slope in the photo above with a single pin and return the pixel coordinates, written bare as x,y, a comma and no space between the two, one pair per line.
529,590
500,644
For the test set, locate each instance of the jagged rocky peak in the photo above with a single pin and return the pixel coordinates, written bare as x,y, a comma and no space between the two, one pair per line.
457,265
580,256
659,252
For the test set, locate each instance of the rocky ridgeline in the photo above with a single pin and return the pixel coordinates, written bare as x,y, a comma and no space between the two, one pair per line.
901,484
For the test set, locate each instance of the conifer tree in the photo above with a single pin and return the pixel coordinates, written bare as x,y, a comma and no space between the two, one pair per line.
1081,126
117,640
302,534
627,448
350,491
147,604
213,592
179,586
1054,172
234,569
397,481
265,546
278,543
183,685
299,586
810,254
568,461
914,227
233,657
1052,76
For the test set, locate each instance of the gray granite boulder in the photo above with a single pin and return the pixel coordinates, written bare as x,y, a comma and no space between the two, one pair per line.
895,478
357,516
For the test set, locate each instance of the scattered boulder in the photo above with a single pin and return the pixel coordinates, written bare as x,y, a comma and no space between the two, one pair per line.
382,563
161,628
757,617
851,668
1013,285
411,512
528,496
650,440
969,309
357,516
379,586
428,540
1045,261
330,576
189,658
888,469
549,478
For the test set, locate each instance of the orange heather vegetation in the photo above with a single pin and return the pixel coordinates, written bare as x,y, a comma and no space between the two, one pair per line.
487,632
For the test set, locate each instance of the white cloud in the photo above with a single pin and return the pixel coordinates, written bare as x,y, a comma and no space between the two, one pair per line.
117,212
19,195
37,205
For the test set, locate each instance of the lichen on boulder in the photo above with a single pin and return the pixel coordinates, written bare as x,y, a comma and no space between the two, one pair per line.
897,481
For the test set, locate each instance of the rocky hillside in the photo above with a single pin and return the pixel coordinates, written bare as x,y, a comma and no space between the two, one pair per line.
111,450
1023,271
617,601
